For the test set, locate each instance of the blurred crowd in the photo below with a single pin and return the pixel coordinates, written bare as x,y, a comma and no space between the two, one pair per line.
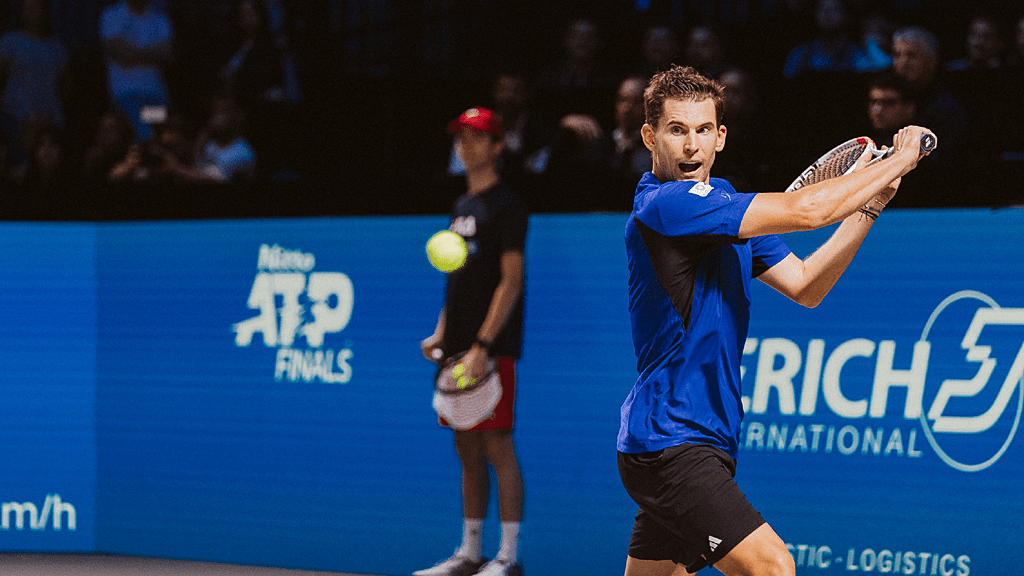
339,107
132,109
798,80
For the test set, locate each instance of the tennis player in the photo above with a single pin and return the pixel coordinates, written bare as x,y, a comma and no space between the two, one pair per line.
693,244
483,317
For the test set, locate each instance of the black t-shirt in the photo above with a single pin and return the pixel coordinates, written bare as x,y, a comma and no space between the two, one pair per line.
491,222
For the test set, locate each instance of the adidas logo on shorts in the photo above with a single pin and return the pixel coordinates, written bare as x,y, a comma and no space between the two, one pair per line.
714,542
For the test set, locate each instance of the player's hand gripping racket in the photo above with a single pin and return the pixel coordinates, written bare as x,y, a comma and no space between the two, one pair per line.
842,159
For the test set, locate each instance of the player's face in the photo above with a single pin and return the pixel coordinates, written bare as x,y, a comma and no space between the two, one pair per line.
684,144
477,149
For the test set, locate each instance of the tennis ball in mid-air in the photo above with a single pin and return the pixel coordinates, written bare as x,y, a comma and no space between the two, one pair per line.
447,251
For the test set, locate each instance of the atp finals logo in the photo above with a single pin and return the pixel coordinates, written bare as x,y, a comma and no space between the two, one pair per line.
296,304
958,390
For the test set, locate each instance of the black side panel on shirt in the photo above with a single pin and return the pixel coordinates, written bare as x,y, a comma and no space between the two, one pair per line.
759,267
675,262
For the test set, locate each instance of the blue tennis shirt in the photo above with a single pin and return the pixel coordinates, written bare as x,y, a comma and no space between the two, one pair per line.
689,304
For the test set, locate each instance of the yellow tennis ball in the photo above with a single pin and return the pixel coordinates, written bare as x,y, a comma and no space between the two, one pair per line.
447,251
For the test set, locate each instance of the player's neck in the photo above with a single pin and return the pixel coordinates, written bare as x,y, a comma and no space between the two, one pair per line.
478,181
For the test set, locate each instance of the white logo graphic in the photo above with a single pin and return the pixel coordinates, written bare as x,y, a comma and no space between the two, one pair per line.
700,189
972,346
38,517
951,388
714,542
313,304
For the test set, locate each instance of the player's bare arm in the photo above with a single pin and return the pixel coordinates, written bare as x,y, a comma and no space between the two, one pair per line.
502,304
833,200
808,281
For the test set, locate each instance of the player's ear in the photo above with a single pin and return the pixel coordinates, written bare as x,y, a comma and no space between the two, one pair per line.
647,134
721,138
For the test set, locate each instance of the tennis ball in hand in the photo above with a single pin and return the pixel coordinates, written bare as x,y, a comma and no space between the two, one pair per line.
447,251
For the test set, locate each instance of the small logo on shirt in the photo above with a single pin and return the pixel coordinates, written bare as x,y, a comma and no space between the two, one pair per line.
714,542
701,189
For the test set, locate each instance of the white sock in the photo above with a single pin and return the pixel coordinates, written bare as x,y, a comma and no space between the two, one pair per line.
509,542
472,538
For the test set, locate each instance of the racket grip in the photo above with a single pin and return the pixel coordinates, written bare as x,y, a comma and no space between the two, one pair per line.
928,143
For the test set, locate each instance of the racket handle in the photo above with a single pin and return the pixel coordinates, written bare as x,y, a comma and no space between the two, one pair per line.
928,143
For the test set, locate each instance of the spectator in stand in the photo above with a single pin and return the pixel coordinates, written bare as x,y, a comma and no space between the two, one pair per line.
985,43
137,44
30,129
114,137
283,22
1016,57
7,188
990,90
982,81
1015,77
891,106
622,151
223,154
48,186
255,77
158,161
5,172
33,73
833,47
660,49
581,82
597,165
749,160
704,51
916,58
254,74
174,139
876,31
891,103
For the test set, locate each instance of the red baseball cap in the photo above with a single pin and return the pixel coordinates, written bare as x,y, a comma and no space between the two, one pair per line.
477,118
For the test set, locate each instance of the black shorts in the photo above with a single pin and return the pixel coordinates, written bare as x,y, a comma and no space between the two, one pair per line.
691,510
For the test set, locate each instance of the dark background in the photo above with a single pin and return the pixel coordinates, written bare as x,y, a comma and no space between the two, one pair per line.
381,79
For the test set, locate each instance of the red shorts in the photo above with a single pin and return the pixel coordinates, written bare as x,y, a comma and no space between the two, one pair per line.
504,413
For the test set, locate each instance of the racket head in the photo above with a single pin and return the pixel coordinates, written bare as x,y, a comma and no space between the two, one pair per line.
464,405
836,162
449,378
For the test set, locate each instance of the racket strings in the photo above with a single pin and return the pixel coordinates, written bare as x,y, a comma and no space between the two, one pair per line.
836,164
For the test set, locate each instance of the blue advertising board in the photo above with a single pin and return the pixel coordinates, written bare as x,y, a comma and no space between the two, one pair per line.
881,424
252,392
47,387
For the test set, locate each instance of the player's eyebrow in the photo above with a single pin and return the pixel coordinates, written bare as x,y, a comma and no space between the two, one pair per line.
708,124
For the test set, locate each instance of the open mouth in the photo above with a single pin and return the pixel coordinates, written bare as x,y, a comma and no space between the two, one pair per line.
689,166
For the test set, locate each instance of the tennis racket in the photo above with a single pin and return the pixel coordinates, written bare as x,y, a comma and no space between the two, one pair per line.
843,158
464,402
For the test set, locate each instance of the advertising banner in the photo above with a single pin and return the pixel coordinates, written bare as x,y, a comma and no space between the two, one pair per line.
47,387
881,427
252,392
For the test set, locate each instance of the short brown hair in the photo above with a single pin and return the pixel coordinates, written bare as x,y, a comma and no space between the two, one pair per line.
681,83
